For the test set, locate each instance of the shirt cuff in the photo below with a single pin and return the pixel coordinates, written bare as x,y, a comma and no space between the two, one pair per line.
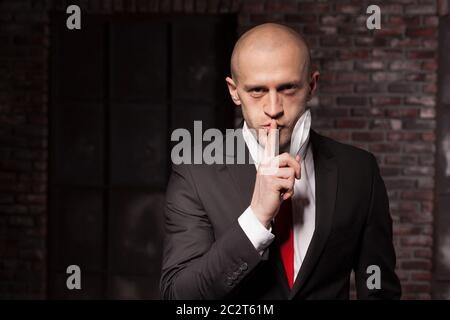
255,231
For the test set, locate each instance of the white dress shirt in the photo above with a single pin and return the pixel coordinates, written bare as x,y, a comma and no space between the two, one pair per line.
303,201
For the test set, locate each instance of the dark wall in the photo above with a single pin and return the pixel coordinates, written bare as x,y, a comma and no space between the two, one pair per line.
378,91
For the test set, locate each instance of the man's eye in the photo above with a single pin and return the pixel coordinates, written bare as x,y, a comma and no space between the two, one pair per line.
290,89
257,92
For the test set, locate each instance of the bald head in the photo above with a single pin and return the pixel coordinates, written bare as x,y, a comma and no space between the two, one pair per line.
268,38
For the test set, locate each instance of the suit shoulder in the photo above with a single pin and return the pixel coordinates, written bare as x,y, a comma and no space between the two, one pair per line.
348,154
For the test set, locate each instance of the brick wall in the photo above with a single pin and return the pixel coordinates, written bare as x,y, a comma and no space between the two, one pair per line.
23,149
377,91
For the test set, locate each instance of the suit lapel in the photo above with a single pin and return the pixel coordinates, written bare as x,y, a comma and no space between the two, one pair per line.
326,176
243,175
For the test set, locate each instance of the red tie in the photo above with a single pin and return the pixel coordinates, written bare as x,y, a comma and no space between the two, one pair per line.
284,230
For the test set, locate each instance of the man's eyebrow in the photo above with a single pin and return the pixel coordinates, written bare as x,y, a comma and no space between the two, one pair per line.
250,87
295,83
279,87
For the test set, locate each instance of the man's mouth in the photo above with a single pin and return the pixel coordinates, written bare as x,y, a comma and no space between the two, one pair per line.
267,126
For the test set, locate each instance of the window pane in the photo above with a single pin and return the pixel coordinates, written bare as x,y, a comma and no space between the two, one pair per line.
137,231
79,234
139,145
77,144
138,62
77,56
134,287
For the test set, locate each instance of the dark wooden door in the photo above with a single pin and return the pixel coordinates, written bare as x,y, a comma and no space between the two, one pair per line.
118,88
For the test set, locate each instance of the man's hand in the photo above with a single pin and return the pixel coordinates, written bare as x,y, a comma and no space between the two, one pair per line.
274,179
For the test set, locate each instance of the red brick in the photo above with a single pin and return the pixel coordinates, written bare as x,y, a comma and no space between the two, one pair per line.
430,89
404,206
370,65
369,88
429,136
336,88
349,8
338,135
391,9
387,124
388,53
335,20
339,65
421,54
418,195
415,288
352,30
319,30
418,171
430,44
416,265
427,182
390,31
404,20
367,136
405,160
351,123
428,113
402,113
348,54
384,148
397,183
421,276
420,9
421,32
308,8
420,77
329,112
368,112
253,6
430,21
426,148
335,41
351,101
371,41
403,136
282,6
405,43
353,76
406,65
391,172
386,101
382,76
419,124
306,19
403,87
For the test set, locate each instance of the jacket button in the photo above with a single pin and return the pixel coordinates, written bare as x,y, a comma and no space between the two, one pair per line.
244,266
235,275
229,282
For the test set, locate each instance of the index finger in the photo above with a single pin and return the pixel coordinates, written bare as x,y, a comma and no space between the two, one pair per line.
271,142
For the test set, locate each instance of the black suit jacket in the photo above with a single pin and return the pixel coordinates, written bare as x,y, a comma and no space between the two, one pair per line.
208,256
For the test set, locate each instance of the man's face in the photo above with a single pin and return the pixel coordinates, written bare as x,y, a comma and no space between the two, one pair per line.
272,85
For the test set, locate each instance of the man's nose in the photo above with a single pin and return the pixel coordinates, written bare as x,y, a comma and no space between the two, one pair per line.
274,106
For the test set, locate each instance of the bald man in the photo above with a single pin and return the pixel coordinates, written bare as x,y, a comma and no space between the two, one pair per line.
241,231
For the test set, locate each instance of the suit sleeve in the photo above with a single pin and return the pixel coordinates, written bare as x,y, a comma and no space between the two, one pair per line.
195,264
376,246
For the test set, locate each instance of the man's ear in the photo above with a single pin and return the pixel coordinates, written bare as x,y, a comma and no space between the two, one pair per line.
313,81
232,88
